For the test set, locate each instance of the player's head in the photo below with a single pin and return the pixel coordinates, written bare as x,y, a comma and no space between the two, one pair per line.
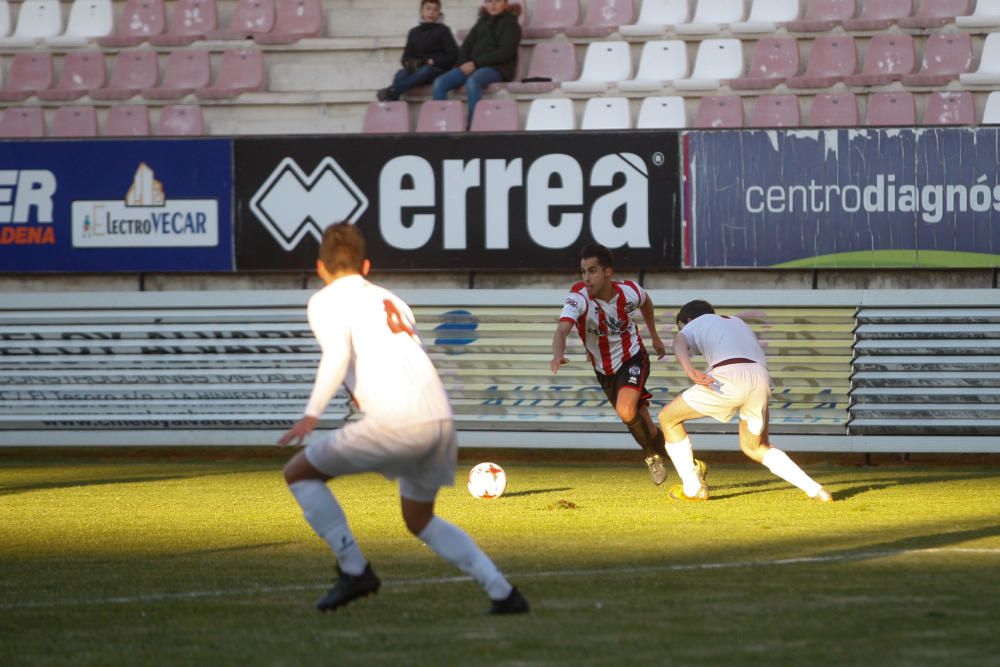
596,267
692,310
342,252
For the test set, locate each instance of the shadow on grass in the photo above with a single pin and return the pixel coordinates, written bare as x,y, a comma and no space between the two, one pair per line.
919,542
862,486
138,479
532,492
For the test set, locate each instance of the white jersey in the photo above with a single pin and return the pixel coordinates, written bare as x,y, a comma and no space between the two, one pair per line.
370,345
721,337
608,329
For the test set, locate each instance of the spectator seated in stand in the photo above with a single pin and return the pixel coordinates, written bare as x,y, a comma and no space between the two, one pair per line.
430,51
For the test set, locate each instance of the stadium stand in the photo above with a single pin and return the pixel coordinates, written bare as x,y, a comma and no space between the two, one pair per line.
551,64
29,73
606,113
76,121
774,59
986,15
22,123
36,21
946,57
713,17
252,17
950,109
878,15
294,20
766,15
191,21
5,24
935,14
606,63
181,120
830,60
662,113
88,21
441,116
888,59
988,73
776,111
720,112
496,116
656,17
240,71
186,71
662,62
81,71
386,118
822,15
603,18
134,71
718,61
991,114
128,120
551,17
139,21
550,115
895,109
834,110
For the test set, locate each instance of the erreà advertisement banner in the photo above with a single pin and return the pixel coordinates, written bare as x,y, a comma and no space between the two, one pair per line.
460,202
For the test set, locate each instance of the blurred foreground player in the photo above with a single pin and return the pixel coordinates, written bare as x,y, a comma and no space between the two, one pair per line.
369,343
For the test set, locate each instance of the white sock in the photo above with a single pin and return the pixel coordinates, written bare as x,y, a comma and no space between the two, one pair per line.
778,462
323,513
455,546
682,456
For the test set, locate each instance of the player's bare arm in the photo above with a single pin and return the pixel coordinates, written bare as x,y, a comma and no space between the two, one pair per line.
649,317
683,355
559,346
299,431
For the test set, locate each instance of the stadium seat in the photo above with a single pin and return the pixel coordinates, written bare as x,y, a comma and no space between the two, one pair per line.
240,71
834,110
822,15
81,71
711,16
947,55
988,73
935,13
656,17
604,63
550,114
29,73
5,24
986,15
386,118
888,58
22,123
896,109
441,116
555,61
496,116
497,86
140,20
551,17
606,113
878,14
181,120
662,113
128,120
830,60
88,21
187,70
294,20
251,17
603,18
950,108
661,62
766,16
192,20
774,59
717,61
724,111
991,114
776,111
133,72
74,122
37,20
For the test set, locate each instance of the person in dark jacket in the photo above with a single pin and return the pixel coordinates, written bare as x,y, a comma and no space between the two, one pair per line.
488,54
430,51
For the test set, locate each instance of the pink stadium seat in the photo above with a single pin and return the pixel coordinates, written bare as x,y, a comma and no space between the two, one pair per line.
240,71
140,20
774,59
950,108
295,20
896,109
889,57
603,18
187,70
555,61
179,120
22,122
822,15
128,120
386,118
834,110
724,111
879,14
29,73
134,72
75,122
441,116
252,17
496,116
946,56
776,111
935,13
830,60
81,71
192,20
551,17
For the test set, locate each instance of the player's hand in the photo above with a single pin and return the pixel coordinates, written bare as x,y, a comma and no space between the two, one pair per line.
556,363
698,377
467,68
299,432
659,347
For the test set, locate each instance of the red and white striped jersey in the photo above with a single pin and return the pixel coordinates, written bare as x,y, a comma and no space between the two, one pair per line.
608,329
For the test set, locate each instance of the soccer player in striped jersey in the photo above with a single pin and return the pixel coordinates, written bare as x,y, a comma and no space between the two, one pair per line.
604,313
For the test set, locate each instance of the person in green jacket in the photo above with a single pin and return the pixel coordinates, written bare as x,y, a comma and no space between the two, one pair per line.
488,54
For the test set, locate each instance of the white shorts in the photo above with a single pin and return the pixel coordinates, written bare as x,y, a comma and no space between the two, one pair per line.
421,456
745,388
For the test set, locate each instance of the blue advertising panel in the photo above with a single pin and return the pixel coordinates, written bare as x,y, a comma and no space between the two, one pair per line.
116,205
842,198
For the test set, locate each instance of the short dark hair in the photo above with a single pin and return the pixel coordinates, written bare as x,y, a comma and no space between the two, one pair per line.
602,254
343,248
694,309
430,2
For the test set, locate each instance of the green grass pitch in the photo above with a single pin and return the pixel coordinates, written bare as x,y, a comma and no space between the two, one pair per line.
202,558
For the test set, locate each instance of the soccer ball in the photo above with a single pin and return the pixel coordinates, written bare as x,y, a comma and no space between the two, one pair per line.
487,480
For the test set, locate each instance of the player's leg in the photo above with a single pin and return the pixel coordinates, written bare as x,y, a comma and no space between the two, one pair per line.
754,443
678,445
634,413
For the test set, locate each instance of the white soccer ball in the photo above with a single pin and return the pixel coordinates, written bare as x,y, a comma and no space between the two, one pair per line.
487,480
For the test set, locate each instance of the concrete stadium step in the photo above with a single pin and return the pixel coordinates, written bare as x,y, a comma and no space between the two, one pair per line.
909,330
918,411
926,427
933,395
929,378
928,315
934,363
930,346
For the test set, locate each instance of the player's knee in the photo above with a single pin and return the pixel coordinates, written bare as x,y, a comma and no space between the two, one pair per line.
416,521
754,452
627,412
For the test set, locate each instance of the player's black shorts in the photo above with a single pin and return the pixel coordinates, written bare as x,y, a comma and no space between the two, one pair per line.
632,374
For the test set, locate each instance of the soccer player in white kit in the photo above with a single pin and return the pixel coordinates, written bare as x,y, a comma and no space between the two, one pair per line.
737,382
370,345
